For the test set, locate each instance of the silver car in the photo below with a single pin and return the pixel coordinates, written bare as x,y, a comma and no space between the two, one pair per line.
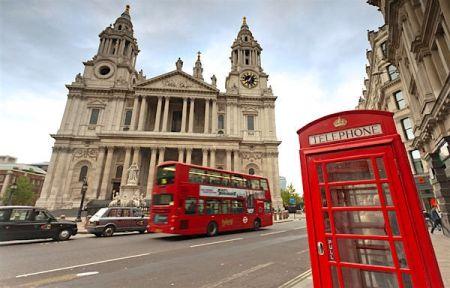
109,220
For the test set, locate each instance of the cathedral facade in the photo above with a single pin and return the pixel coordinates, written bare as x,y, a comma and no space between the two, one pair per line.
116,117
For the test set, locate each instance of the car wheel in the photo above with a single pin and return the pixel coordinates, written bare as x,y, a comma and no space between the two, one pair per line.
109,231
212,229
256,225
63,235
141,231
98,234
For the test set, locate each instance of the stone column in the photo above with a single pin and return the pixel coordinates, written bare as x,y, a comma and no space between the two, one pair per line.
191,115
143,114
214,116
67,112
126,165
161,155
95,189
119,115
184,114
45,191
206,127
205,157
432,75
228,120
236,119
5,184
228,164
188,155
445,8
135,113
54,200
73,113
166,114
151,173
212,159
158,114
107,173
443,51
180,154
237,161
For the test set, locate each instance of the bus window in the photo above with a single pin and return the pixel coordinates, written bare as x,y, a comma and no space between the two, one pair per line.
165,175
200,207
236,207
225,179
267,207
264,185
225,206
255,184
195,175
212,207
162,199
237,181
189,206
214,178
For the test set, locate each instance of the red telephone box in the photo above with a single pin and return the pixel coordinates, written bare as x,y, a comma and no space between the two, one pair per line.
365,224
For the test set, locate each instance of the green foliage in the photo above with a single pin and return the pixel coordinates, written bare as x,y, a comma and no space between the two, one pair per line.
289,192
22,195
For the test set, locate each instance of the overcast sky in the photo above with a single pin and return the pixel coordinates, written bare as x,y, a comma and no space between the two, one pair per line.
313,51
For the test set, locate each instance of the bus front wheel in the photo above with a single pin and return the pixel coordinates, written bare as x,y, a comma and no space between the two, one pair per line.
256,225
211,230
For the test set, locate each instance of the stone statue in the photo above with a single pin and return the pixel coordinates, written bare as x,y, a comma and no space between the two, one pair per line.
133,172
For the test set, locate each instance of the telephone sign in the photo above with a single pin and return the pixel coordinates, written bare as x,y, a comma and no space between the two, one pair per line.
365,225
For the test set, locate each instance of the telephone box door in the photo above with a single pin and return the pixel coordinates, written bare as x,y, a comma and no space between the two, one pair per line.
361,227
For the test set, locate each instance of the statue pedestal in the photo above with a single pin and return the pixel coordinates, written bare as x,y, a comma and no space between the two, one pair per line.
129,196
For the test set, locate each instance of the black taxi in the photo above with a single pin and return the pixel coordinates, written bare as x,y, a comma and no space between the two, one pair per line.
26,223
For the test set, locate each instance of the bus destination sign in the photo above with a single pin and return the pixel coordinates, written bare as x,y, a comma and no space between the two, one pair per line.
347,134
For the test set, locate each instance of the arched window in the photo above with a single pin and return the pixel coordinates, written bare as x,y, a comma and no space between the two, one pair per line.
83,173
120,27
119,171
251,171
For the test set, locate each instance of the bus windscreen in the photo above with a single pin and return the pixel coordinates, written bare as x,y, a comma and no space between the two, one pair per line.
165,175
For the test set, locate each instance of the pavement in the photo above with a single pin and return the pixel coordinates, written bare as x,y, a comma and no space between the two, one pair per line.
441,245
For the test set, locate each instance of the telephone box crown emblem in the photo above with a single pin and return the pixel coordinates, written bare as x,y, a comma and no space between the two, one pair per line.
340,122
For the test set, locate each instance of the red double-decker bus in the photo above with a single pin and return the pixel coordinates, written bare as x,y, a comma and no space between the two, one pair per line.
189,199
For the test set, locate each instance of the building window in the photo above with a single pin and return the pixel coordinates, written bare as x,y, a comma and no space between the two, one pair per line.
119,171
392,72
94,116
251,171
83,173
399,100
417,162
383,49
407,128
250,122
221,122
128,115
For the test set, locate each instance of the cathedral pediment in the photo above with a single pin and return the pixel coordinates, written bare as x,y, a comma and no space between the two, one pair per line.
177,80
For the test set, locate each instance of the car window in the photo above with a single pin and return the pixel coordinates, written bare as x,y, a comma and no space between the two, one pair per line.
20,215
136,213
40,215
2,215
100,212
114,213
126,213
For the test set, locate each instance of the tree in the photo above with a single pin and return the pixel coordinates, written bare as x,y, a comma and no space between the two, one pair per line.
22,195
288,193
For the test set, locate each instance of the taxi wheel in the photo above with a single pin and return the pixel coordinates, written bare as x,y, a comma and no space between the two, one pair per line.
212,230
141,231
109,231
256,225
63,235
98,234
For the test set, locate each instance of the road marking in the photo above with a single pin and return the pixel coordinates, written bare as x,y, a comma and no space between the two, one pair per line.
303,251
87,273
237,275
296,280
217,242
82,265
271,233
299,228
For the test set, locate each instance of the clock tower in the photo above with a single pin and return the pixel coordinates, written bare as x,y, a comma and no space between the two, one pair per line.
247,76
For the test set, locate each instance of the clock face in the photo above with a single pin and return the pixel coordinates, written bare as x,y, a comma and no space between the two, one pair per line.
249,79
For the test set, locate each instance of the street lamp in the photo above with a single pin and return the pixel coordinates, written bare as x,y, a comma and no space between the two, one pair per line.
12,189
83,193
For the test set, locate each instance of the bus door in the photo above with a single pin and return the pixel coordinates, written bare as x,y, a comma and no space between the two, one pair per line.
362,231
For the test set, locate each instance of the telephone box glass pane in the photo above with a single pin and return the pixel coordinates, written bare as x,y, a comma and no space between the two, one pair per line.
394,223
320,173
326,222
364,251
355,195
381,170
324,196
387,194
360,169
359,222
401,254
334,277
357,278
407,282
